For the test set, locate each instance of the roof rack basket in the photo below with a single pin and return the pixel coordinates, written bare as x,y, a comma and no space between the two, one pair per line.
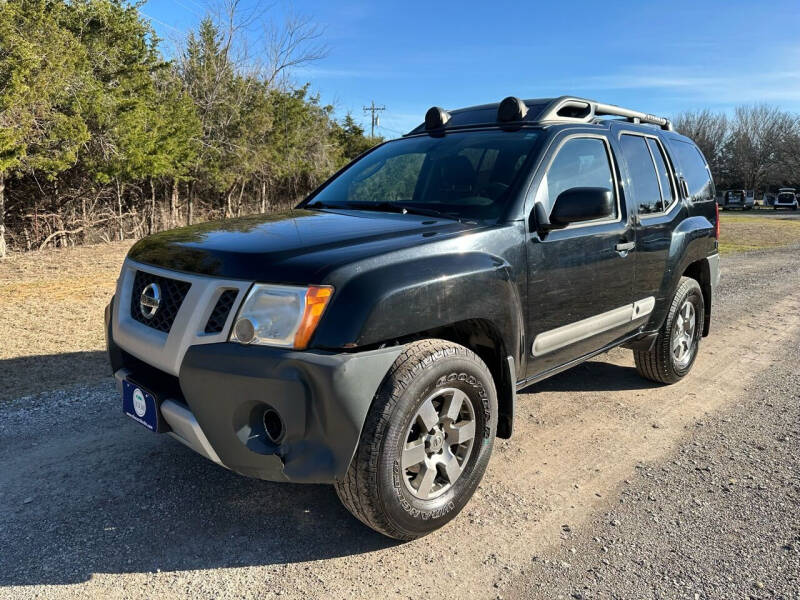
581,110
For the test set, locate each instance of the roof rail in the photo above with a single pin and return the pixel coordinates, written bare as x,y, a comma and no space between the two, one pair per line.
581,110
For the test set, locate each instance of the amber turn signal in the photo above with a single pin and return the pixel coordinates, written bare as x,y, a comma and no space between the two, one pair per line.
317,298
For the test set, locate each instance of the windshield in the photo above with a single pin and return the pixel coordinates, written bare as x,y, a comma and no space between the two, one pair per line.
737,195
461,175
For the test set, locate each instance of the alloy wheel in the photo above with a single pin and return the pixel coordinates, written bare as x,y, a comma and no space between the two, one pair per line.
683,339
438,444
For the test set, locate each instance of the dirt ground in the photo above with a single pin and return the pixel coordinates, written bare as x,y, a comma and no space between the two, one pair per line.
93,506
51,316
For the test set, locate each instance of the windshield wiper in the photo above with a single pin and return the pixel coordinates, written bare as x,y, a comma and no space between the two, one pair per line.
430,212
394,207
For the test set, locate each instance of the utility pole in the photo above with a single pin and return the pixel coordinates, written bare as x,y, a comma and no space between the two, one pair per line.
374,110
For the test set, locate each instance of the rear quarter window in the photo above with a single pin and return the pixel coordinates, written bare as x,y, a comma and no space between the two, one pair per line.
693,169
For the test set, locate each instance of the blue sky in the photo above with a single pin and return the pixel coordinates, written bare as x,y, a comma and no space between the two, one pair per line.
661,58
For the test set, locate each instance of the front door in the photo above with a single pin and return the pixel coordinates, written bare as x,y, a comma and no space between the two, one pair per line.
581,277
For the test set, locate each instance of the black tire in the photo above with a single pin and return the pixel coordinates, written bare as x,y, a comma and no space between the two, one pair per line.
375,488
660,364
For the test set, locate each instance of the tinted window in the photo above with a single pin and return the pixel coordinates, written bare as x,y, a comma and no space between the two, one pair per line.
667,192
694,170
581,162
642,178
467,174
393,181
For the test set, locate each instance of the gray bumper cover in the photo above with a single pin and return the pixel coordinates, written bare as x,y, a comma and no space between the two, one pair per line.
713,265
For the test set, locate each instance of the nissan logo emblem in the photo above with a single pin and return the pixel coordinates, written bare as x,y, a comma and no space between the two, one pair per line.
150,300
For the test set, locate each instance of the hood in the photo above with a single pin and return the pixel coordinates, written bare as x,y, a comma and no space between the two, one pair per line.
297,246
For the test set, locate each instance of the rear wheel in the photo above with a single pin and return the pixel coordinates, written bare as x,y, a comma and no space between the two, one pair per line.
426,441
676,346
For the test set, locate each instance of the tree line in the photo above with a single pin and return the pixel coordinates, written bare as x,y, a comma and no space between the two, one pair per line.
756,148
103,138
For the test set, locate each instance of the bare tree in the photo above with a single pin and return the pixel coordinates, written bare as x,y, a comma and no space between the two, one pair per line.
294,44
710,131
756,152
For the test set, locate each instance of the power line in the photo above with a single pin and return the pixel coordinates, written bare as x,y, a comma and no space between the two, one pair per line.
374,110
390,129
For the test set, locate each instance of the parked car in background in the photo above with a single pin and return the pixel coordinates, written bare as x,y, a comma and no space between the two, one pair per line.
786,198
736,199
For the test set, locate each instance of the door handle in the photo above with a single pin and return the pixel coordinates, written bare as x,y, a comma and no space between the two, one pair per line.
625,246
684,187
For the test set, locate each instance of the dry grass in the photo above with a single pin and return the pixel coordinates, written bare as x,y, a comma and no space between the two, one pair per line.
51,317
739,233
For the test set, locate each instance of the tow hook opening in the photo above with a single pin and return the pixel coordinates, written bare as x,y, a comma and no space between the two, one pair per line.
273,425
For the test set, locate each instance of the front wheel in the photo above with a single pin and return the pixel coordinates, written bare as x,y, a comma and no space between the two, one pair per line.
426,441
678,341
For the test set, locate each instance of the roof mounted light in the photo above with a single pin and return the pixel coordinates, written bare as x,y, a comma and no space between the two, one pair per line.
436,118
511,109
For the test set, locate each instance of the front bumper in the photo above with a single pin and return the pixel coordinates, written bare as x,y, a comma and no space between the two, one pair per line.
216,404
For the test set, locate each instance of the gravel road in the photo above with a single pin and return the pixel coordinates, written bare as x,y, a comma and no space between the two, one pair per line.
611,487
719,519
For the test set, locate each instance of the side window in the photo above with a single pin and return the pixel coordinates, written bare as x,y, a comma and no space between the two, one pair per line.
694,170
643,180
580,162
667,191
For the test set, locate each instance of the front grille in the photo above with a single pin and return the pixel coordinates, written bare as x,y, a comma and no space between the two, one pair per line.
216,322
172,294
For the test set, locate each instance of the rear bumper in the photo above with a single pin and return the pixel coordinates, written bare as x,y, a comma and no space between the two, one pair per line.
216,405
713,271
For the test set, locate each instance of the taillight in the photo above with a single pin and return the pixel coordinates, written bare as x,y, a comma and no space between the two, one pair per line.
716,226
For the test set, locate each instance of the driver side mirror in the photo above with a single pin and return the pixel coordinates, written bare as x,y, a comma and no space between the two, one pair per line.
576,205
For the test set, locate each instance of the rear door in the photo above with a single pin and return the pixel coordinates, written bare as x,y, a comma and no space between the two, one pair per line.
580,278
651,191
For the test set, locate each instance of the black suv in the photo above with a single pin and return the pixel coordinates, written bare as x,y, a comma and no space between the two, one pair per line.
375,336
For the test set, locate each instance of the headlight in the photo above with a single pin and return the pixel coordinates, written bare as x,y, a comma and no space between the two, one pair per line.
280,315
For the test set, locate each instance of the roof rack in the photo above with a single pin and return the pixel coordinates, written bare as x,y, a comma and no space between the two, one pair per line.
581,110
513,112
